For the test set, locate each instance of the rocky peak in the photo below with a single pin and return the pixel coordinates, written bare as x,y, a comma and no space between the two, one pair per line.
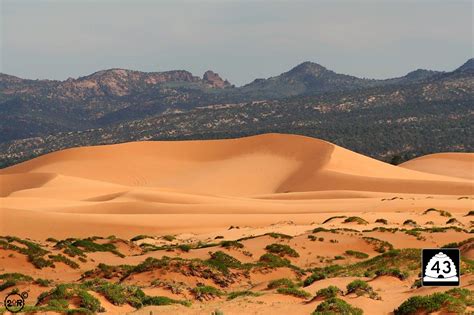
468,66
308,68
214,80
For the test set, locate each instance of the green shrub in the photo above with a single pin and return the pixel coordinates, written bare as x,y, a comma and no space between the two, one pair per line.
383,221
357,254
294,292
334,306
410,222
236,294
452,221
140,237
334,217
470,213
315,276
231,244
360,287
320,229
205,292
185,247
282,250
379,245
329,292
394,272
281,283
453,301
223,261
274,261
312,237
64,260
357,220
169,238
279,235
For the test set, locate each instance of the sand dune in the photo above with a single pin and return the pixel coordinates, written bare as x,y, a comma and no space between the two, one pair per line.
451,164
268,178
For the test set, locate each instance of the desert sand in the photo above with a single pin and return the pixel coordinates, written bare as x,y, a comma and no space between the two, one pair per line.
237,189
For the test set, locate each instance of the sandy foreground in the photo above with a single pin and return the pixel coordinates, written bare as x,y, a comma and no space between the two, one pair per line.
200,193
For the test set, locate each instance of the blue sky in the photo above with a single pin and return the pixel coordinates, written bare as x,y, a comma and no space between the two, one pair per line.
241,40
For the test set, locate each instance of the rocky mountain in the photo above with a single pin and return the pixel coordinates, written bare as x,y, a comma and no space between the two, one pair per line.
109,106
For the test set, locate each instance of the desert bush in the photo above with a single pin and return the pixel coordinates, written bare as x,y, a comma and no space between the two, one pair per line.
452,301
231,244
410,222
354,219
294,292
236,294
360,287
383,221
206,292
281,283
279,235
335,306
357,254
329,292
334,217
274,261
394,272
282,250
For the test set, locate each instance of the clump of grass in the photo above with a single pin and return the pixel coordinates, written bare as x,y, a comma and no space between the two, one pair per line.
360,287
357,254
312,238
279,235
354,219
315,276
329,292
206,292
223,261
452,301
320,229
63,259
58,298
379,245
333,218
184,247
231,244
43,282
33,251
442,213
236,294
12,279
282,250
140,237
169,238
470,213
410,222
274,261
334,306
453,221
294,292
394,272
281,283
89,245
382,221
51,240
459,244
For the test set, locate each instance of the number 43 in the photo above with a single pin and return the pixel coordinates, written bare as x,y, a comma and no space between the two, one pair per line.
437,269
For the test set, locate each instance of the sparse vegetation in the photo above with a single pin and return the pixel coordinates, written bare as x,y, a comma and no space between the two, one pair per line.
206,292
231,244
382,221
356,254
236,294
281,283
394,272
357,220
379,245
294,292
442,213
410,222
335,306
333,218
279,235
274,261
360,287
329,292
281,250
452,301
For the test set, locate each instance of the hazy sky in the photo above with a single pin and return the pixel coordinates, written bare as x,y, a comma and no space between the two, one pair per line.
241,40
